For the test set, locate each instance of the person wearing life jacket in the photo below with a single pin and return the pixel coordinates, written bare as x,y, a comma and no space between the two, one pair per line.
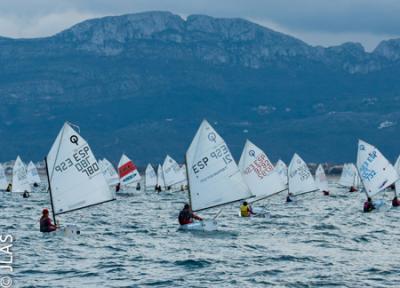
186,216
395,202
288,199
45,222
326,193
138,186
9,187
353,189
245,210
368,205
26,194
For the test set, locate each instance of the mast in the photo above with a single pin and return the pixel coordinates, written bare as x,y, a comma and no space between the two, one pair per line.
188,185
49,189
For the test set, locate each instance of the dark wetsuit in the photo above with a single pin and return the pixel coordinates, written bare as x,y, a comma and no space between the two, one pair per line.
368,206
46,226
395,203
288,199
186,217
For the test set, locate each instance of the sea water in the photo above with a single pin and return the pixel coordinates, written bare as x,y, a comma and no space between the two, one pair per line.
134,242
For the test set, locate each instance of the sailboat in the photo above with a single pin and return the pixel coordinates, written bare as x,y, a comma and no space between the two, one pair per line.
321,181
150,179
214,178
259,173
300,179
20,180
349,177
109,172
397,184
173,176
74,176
282,170
160,177
375,170
3,179
33,175
128,173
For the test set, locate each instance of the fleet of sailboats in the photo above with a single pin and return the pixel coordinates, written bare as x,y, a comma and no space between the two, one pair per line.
76,180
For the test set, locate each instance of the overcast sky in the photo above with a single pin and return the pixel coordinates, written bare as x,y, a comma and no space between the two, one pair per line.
317,22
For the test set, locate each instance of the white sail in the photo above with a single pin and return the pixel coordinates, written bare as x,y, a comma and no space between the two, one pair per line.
282,170
259,173
300,179
128,172
150,178
109,172
349,175
397,167
32,174
214,177
75,178
320,179
160,177
375,170
172,172
20,179
3,179
184,175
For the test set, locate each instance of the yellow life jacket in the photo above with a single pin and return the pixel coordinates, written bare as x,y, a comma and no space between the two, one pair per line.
244,210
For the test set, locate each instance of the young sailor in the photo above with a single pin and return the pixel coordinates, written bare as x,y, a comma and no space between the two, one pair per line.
45,222
245,210
288,199
368,205
186,216
26,194
395,202
353,189
9,187
326,193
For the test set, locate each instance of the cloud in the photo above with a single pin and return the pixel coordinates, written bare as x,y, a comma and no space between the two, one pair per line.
316,21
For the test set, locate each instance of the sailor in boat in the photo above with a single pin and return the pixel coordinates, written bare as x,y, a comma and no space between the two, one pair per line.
35,185
353,189
26,194
395,202
118,187
326,193
45,222
246,210
9,187
186,216
288,199
138,186
368,205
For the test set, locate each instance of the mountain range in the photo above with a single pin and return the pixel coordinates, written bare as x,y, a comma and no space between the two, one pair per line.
142,83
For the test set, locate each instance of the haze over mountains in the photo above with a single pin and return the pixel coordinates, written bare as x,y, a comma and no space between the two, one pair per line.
142,83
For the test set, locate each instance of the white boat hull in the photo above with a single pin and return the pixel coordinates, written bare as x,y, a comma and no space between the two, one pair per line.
68,230
206,225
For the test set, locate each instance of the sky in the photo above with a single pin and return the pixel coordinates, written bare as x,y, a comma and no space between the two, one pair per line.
317,22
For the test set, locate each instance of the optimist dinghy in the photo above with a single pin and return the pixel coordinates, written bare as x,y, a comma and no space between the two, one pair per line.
375,171
75,179
214,178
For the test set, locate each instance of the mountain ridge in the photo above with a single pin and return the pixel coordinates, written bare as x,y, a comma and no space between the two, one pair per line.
154,76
